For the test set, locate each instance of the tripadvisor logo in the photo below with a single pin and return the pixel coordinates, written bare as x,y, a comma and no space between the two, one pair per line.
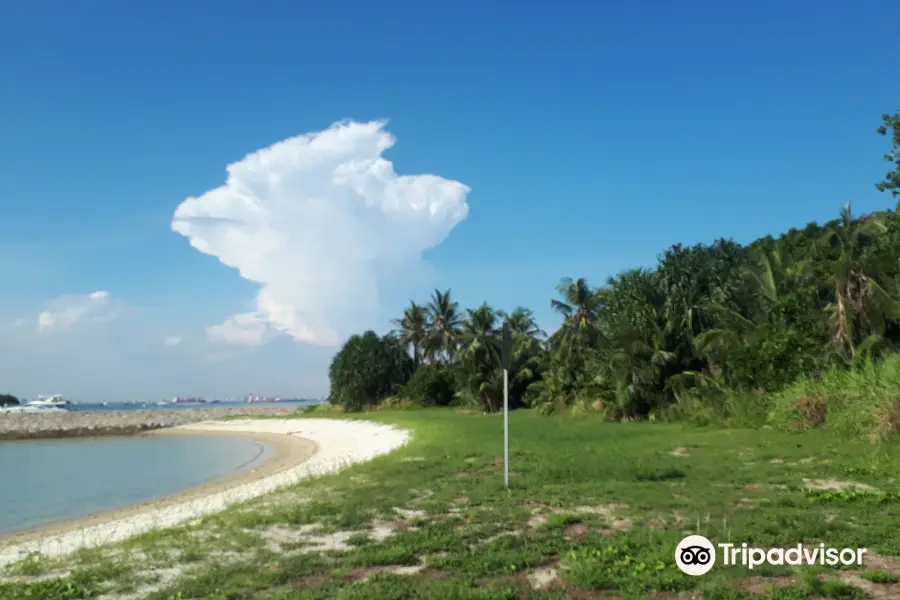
695,555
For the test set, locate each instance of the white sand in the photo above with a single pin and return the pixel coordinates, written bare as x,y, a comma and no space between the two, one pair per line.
340,443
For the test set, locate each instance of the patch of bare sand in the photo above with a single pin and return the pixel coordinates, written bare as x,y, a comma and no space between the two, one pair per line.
543,577
888,564
304,539
834,485
409,513
607,511
49,575
768,585
765,585
361,574
494,538
153,580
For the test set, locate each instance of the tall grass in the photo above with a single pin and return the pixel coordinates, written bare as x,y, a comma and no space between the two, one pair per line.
864,401
731,408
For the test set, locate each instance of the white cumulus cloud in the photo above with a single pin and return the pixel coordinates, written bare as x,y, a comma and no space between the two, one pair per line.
320,221
173,341
245,329
64,312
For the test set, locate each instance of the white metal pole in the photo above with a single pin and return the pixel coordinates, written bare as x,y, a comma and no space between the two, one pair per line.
506,428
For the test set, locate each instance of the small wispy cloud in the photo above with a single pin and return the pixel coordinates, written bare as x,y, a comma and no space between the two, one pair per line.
173,341
65,312
320,221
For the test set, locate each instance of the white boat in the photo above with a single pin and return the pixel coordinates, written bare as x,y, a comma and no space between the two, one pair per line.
54,401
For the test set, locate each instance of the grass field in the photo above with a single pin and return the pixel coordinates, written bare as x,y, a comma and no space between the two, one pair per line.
594,510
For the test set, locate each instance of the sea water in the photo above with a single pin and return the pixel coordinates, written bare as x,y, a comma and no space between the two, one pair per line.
46,481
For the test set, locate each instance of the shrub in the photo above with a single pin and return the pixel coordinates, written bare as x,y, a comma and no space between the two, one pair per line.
546,408
366,370
430,385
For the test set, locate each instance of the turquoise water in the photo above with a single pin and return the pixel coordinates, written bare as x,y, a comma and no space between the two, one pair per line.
45,481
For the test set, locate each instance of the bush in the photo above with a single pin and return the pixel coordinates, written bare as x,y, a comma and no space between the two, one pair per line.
430,385
546,408
367,370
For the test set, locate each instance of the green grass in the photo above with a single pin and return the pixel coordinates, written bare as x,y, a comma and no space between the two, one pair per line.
601,505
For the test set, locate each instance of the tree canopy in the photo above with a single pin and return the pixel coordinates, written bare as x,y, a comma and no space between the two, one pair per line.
8,400
705,320
368,369
891,126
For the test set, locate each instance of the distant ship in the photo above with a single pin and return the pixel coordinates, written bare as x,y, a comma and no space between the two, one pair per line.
180,400
251,399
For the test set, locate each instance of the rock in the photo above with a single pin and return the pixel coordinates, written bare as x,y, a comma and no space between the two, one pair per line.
19,426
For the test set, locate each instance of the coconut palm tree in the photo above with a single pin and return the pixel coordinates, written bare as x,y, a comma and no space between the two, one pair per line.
861,303
479,335
522,321
443,327
479,363
524,371
579,303
412,330
579,307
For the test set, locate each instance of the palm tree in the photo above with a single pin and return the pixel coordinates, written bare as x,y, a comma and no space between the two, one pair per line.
479,357
579,307
522,321
579,303
776,274
479,337
443,327
524,371
413,329
861,304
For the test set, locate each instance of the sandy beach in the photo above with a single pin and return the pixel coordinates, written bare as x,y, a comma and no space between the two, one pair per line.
303,448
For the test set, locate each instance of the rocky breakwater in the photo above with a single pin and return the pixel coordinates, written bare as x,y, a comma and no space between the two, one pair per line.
23,426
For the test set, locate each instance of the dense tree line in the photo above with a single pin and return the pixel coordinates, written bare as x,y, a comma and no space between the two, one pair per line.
707,321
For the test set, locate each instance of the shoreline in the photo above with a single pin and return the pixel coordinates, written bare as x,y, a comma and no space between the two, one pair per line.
288,452
304,448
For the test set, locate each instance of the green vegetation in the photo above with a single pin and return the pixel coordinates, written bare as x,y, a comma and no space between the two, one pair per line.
594,509
8,400
367,370
744,335
891,127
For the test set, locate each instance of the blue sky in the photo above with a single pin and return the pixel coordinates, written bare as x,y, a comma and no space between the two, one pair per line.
589,136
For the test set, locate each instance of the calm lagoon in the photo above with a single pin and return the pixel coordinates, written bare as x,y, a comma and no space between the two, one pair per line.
47,481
